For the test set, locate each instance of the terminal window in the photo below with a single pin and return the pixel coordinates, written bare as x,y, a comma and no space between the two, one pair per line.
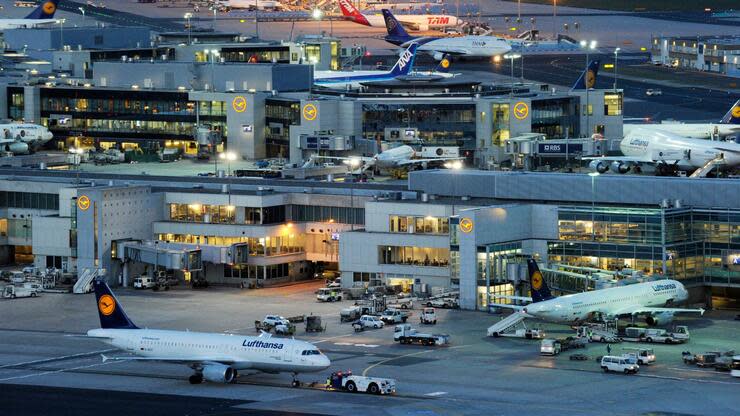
419,225
414,256
501,128
613,104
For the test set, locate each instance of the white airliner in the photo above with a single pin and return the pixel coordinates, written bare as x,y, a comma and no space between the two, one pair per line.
728,126
665,150
41,16
343,79
468,46
22,138
252,4
214,357
400,157
649,298
420,22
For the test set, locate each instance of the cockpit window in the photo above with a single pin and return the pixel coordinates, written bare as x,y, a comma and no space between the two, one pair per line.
310,352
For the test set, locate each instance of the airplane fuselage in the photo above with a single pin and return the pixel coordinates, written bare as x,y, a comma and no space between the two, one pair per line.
664,146
470,46
689,130
390,158
267,354
32,134
609,302
6,24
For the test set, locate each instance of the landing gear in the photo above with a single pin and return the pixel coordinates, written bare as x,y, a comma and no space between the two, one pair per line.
196,378
295,382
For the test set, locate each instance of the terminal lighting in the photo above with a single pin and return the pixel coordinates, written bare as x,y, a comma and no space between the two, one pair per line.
134,87
317,13
608,66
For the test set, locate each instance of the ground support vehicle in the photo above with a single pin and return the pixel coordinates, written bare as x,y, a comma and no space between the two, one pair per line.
12,292
618,364
394,316
428,316
405,334
354,384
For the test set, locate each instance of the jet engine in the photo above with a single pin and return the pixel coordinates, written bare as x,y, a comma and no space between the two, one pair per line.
599,166
620,167
17,148
659,318
219,373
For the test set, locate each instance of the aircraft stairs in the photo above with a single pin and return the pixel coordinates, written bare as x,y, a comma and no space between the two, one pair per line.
506,323
704,170
85,280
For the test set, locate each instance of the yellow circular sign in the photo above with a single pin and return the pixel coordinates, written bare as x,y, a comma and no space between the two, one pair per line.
239,104
106,305
536,280
310,112
466,225
83,202
736,112
521,110
590,79
445,63
49,7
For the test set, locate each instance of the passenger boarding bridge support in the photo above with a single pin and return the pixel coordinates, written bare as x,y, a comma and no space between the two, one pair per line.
158,254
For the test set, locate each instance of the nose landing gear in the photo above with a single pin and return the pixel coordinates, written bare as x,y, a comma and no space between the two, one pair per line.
296,382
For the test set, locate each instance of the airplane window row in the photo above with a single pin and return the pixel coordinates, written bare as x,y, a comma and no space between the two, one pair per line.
310,352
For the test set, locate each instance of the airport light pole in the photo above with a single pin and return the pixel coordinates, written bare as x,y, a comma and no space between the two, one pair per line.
588,46
187,17
554,18
317,14
82,10
512,56
228,157
616,57
593,176
455,167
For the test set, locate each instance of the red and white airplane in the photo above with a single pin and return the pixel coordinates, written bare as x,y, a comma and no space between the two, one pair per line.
420,22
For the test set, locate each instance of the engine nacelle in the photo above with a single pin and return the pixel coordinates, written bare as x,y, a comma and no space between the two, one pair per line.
17,148
620,167
438,56
659,318
599,166
219,373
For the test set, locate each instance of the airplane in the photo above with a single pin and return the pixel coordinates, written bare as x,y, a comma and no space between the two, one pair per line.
400,157
470,46
344,79
442,71
420,22
214,357
40,16
653,299
587,80
728,126
251,4
23,138
667,151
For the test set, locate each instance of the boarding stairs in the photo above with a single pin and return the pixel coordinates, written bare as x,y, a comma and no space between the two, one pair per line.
85,280
506,323
704,170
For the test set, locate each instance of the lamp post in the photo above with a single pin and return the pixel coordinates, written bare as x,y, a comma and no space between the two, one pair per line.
512,56
354,164
554,18
455,166
588,46
593,176
616,57
82,10
317,14
228,157
187,17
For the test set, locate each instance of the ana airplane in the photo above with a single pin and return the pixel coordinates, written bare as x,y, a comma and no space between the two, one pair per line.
728,126
213,357
344,79
667,152
40,16
400,157
649,298
470,46
23,138
421,22
442,71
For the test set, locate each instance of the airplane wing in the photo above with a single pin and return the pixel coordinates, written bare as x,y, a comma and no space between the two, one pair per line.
638,310
455,51
430,160
360,158
621,159
181,360
522,298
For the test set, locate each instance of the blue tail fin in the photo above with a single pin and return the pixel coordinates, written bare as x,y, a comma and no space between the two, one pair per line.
394,27
45,10
110,311
537,283
444,65
406,62
588,77
732,116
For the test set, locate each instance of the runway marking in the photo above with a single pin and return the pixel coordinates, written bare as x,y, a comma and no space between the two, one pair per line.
436,394
331,338
54,372
687,379
63,357
364,373
350,344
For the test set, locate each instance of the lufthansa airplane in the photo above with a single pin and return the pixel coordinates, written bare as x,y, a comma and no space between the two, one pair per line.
214,357
40,16
653,299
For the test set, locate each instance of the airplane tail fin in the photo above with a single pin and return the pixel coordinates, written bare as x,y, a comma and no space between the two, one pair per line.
110,311
588,77
45,10
444,65
394,27
539,288
732,116
406,62
350,11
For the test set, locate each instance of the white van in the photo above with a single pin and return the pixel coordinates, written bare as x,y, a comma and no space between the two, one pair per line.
144,282
619,364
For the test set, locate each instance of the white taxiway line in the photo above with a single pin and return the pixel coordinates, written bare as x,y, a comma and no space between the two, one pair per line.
54,372
63,357
331,338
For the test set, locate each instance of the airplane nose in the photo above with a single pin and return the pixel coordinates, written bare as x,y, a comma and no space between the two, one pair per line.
323,362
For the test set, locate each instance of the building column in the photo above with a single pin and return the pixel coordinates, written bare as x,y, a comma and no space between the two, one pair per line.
125,274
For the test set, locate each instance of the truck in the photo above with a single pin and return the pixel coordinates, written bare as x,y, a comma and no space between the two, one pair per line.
449,303
428,316
599,332
550,346
405,334
642,356
12,291
400,303
353,384
637,334
394,316
527,333
326,294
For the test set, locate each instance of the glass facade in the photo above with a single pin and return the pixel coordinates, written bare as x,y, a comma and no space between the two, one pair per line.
203,213
555,118
492,271
280,114
29,200
262,246
419,225
613,104
501,124
414,256
317,213
16,103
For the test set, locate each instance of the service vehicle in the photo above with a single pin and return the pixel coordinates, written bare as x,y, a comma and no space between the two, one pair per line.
368,321
550,346
12,292
707,359
350,314
326,294
599,333
448,303
735,372
527,333
394,316
274,320
637,334
354,384
400,303
651,92
578,357
642,356
313,324
17,277
618,364
428,316
144,282
405,334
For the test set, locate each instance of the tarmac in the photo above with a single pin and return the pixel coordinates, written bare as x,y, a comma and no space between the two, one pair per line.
41,346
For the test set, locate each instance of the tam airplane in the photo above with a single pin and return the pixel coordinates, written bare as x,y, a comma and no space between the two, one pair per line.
728,126
653,299
40,16
420,22
213,357
23,138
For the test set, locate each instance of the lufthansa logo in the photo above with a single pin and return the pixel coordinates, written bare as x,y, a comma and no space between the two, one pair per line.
736,112
466,225
521,110
49,7
590,79
537,280
239,104
445,63
83,202
106,305
310,112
